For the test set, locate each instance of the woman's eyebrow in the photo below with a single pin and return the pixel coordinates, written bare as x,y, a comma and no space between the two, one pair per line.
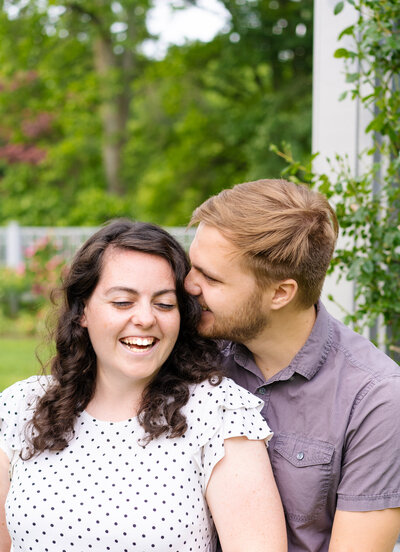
133,291
121,288
164,291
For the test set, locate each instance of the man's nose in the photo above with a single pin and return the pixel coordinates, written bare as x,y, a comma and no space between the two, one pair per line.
191,285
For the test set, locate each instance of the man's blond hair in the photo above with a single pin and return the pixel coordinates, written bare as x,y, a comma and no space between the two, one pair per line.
280,229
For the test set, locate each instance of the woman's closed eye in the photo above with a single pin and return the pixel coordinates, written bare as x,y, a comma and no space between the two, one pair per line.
122,304
166,306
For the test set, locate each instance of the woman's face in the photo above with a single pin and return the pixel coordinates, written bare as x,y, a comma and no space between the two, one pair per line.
132,317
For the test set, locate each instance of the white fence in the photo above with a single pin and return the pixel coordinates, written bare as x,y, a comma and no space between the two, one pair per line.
15,239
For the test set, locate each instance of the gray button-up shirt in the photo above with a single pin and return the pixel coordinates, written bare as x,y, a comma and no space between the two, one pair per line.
335,414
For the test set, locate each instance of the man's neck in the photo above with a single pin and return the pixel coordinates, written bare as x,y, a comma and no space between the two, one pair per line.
281,340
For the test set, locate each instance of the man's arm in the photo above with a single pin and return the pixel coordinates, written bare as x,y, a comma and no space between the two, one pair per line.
374,531
367,518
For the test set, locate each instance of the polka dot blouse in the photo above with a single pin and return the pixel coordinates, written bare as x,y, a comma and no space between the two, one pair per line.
106,492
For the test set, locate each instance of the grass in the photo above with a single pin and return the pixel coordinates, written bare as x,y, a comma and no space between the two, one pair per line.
17,360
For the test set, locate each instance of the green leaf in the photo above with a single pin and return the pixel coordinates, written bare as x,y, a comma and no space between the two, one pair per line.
338,8
346,31
376,124
352,77
341,53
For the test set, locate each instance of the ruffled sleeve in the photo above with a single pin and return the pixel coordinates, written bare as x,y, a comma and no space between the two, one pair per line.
16,409
216,413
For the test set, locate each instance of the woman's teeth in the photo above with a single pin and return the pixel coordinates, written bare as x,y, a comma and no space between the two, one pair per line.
138,343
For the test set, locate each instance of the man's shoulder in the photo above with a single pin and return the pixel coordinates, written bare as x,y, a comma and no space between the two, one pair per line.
354,351
332,348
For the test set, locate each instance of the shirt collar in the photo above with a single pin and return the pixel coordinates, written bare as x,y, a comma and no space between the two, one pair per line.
308,360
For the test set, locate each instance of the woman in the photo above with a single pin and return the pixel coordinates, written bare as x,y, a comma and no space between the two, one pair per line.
135,442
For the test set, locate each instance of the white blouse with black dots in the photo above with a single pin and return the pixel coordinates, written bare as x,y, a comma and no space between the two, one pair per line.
106,492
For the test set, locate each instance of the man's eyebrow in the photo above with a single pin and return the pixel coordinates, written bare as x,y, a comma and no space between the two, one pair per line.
132,291
206,273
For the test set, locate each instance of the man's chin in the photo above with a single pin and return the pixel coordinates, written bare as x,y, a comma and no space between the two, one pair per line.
211,332
206,324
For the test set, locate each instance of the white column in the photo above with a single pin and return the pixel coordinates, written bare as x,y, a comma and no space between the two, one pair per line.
338,126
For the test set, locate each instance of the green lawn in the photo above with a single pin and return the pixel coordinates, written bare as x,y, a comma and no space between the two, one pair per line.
17,360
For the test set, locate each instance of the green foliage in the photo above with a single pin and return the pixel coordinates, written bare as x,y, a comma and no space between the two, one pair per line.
369,218
203,117
193,123
338,8
49,64
13,284
25,291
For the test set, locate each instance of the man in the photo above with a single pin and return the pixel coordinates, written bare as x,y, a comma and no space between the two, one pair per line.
259,259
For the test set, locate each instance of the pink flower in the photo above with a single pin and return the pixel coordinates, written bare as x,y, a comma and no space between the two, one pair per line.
21,269
30,251
42,242
54,262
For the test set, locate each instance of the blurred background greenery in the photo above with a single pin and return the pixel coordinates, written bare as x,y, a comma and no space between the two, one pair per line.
93,127
17,360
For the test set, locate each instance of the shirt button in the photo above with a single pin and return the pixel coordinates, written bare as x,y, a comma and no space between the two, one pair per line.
300,455
262,391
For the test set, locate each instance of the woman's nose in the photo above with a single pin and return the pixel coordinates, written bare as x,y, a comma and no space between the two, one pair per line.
143,315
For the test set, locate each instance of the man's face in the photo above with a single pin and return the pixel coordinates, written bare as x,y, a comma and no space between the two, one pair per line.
233,305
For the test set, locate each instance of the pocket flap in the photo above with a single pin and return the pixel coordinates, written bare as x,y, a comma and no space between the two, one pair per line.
302,452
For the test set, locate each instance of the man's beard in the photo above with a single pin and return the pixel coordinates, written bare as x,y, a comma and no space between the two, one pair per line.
242,325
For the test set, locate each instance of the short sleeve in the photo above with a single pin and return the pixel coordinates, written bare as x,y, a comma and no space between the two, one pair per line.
220,413
16,407
370,469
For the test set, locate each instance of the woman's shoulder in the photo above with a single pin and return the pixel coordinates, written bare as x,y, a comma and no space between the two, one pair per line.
213,402
24,392
217,411
17,404
224,393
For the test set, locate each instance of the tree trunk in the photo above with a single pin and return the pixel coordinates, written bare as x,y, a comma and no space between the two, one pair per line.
112,114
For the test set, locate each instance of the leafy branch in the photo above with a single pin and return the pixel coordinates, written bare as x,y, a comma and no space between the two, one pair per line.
370,220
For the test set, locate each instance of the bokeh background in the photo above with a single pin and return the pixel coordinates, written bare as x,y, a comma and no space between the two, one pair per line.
145,108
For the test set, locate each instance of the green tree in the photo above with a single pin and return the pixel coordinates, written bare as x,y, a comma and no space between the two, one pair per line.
205,115
85,55
127,135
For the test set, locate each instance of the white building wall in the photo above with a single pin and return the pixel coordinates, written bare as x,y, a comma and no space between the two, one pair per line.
338,126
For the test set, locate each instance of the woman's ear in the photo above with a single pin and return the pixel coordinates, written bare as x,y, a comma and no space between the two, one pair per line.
83,321
284,293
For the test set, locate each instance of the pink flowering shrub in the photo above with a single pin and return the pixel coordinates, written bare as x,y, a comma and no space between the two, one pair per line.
44,263
25,291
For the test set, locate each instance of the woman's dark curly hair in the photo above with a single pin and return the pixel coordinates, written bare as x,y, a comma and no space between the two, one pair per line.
192,360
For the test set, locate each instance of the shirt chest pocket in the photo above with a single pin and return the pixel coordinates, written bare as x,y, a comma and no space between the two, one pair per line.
303,471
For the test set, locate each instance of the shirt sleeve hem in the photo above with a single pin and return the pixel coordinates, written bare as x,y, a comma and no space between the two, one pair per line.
368,503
